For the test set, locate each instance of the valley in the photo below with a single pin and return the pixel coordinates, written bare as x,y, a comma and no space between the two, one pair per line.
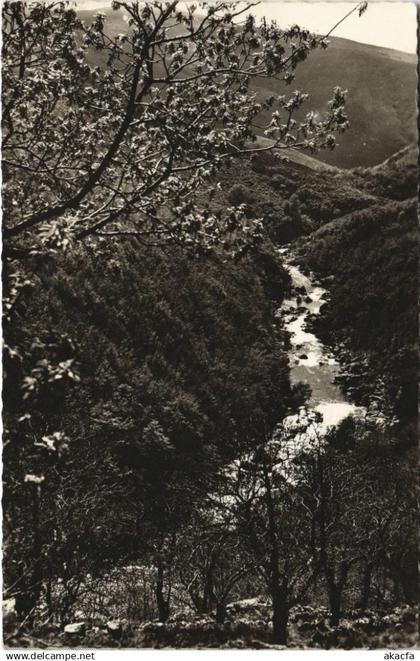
210,345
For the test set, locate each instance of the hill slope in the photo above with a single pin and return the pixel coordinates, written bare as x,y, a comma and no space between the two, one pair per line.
381,103
369,257
357,229
381,86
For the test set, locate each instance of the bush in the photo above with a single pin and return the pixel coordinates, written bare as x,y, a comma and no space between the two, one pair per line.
238,194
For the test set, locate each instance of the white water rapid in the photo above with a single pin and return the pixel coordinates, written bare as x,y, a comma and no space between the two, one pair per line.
310,361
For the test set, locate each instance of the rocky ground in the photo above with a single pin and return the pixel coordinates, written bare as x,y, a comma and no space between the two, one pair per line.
247,626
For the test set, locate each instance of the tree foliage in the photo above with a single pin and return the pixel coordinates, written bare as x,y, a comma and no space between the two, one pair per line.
119,132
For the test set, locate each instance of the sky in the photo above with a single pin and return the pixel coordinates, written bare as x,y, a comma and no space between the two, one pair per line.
388,24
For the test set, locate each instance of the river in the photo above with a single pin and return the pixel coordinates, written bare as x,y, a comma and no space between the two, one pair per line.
310,361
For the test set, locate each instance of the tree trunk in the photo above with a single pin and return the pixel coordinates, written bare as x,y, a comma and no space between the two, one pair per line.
335,606
163,606
278,586
279,618
396,590
30,593
335,590
408,580
220,612
162,602
208,598
48,597
366,588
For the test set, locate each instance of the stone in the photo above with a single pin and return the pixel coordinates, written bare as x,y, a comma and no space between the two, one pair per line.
9,613
75,629
114,628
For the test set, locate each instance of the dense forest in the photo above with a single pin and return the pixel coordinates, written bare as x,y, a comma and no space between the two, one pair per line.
166,482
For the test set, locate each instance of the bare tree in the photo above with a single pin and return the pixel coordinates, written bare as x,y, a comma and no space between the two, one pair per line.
356,503
213,562
273,520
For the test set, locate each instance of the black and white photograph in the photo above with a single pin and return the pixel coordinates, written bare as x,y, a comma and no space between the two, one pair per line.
209,253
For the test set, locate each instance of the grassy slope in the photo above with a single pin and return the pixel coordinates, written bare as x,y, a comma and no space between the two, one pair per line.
381,104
